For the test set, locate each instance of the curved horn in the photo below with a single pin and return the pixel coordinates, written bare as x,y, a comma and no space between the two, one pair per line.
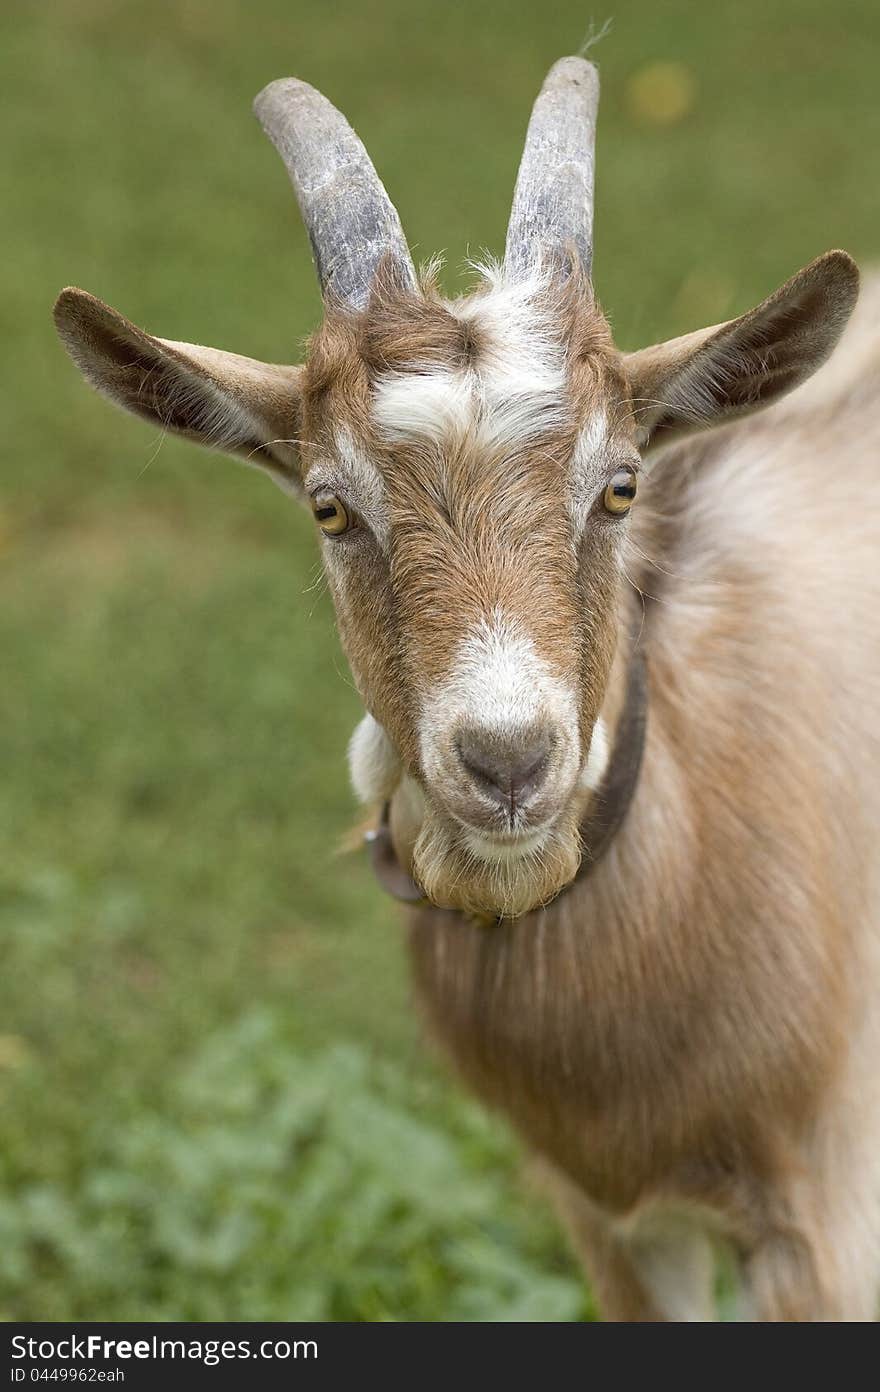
351,221
553,198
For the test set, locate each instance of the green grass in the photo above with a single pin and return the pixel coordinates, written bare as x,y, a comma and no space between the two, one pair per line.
215,1098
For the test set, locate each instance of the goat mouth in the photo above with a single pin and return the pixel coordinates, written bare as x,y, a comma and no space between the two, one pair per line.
493,834
496,847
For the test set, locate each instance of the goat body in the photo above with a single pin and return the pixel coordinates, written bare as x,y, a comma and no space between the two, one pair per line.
690,1037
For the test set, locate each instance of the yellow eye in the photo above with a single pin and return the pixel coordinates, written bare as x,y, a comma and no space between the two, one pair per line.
331,514
620,493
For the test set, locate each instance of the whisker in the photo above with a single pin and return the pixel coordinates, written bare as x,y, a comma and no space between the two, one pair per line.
343,676
655,564
154,456
315,583
642,595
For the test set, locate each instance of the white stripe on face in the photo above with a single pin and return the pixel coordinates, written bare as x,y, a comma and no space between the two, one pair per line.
589,466
514,393
500,684
360,480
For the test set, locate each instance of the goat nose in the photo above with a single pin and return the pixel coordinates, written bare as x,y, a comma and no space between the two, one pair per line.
507,767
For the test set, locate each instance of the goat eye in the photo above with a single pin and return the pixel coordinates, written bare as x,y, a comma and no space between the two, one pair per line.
620,493
331,514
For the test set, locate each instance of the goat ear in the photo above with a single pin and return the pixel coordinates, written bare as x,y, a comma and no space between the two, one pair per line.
730,369
218,399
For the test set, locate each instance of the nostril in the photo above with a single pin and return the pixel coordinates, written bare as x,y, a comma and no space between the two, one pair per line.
508,767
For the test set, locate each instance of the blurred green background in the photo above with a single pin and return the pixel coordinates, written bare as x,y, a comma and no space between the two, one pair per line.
216,1102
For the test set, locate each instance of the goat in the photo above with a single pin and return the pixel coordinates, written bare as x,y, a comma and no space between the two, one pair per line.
562,595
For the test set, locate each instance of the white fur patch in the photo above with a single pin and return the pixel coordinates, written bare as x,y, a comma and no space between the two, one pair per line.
671,1250
431,405
498,682
494,852
594,433
520,344
597,759
373,762
588,468
513,394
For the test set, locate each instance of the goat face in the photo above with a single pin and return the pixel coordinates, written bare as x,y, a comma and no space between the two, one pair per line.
470,466
461,455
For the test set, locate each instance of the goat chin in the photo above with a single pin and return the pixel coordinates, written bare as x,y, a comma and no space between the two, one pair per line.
453,877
